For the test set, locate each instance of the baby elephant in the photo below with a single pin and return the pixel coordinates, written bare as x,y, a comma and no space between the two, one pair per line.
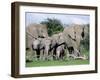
60,52
42,44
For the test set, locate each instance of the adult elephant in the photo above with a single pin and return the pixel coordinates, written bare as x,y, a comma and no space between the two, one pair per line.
73,36
34,31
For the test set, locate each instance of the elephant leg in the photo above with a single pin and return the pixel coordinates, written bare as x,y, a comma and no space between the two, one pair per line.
77,53
38,53
58,54
35,55
62,54
41,54
46,56
70,49
66,53
71,52
54,54
51,55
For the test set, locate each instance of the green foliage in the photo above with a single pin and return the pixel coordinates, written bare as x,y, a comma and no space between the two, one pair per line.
54,26
85,43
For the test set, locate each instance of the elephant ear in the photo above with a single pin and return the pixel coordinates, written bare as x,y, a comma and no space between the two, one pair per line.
82,34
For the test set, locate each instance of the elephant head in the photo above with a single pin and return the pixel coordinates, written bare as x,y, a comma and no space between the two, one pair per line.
34,31
73,35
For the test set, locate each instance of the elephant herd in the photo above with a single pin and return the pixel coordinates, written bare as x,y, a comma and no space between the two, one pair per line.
66,44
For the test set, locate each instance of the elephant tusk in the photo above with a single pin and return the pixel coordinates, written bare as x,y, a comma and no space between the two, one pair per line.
31,35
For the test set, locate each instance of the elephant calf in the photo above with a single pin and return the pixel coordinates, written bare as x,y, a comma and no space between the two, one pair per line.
44,45
60,52
37,47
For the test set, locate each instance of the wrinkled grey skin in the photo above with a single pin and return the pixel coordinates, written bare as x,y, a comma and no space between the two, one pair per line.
74,53
60,52
57,45
42,44
34,31
73,36
46,42
49,45
37,47
54,45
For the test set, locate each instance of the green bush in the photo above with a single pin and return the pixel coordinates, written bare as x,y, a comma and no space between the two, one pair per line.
54,26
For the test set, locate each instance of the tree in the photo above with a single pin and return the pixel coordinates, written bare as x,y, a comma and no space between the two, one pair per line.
54,26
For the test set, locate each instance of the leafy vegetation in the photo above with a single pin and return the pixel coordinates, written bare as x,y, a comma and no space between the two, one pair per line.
85,42
84,45
54,26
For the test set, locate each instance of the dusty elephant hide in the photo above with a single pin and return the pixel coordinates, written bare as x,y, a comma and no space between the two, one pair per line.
34,31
